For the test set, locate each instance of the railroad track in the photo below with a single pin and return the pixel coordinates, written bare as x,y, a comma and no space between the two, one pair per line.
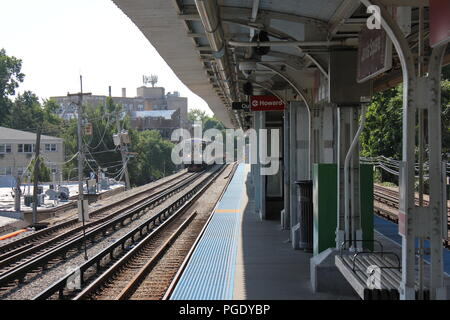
127,274
391,199
11,248
132,251
16,269
146,272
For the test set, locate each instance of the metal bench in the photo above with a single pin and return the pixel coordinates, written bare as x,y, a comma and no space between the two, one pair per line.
374,275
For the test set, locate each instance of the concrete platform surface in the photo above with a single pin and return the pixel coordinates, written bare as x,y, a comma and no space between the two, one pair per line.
267,267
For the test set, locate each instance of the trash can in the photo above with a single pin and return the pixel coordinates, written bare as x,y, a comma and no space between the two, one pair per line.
305,210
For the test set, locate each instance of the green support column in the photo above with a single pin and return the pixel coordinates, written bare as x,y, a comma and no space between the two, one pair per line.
366,178
325,205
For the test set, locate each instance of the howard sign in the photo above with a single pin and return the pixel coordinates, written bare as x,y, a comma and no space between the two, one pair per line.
266,103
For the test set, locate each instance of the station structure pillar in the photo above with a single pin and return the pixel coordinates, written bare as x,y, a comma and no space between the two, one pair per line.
323,124
419,222
286,218
349,220
346,94
258,178
299,159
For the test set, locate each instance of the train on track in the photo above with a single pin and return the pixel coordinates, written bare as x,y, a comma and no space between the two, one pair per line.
193,156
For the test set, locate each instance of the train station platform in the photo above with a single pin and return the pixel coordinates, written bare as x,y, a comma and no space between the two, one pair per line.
241,257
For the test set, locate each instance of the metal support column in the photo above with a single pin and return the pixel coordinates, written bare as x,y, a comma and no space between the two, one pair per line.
407,213
322,134
299,160
294,126
257,167
347,127
437,172
261,118
286,221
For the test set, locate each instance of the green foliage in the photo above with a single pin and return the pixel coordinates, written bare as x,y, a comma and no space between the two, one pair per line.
212,123
100,144
10,77
446,72
153,160
208,122
26,112
197,115
44,172
383,131
382,134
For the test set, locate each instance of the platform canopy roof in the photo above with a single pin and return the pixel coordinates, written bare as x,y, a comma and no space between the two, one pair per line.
207,43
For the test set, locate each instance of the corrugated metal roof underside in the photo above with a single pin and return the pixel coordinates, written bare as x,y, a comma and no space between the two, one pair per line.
159,22
210,271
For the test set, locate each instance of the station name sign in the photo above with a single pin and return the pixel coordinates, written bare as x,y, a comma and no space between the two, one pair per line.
439,22
374,54
266,103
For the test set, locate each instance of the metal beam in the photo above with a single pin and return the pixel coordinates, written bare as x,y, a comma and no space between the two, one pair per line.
345,10
297,88
230,12
298,44
293,61
189,16
203,48
406,3
195,35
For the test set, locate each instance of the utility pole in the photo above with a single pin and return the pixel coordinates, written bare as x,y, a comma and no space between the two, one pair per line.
17,194
36,174
81,156
123,151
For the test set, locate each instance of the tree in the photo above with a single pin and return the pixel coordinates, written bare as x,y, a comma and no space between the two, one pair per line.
10,77
153,159
197,115
44,172
382,134
446,72
100,145
213,123
207,121
26,112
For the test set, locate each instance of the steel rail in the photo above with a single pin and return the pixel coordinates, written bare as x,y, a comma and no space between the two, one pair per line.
60,251
134,283
391,199
130,238
143,271
27,250
13,247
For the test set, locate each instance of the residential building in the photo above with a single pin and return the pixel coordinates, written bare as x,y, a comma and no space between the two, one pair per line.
151,109
17,150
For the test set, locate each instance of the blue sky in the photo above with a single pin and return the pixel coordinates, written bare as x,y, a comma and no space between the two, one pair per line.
57,40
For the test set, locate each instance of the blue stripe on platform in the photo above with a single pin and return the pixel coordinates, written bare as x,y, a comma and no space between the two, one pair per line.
390,230
209,274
